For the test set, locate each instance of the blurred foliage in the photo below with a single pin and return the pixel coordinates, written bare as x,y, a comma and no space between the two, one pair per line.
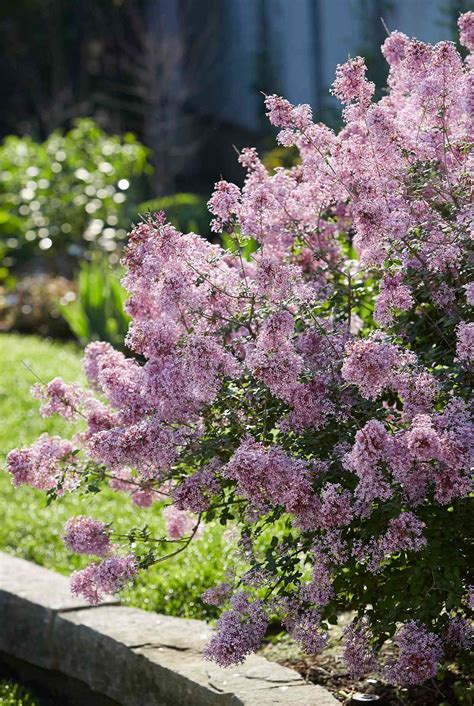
32,530
13,694
71,195
97,312
187,212
286,157
33,305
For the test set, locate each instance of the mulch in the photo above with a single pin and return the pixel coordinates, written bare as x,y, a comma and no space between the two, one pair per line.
328,670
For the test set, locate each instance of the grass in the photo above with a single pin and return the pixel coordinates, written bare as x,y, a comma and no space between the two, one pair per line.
12,694
32,531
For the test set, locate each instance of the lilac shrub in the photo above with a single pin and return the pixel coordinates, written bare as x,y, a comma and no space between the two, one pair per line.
314,395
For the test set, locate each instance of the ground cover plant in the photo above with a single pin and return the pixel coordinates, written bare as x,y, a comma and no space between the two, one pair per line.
314,378
32,530
13,694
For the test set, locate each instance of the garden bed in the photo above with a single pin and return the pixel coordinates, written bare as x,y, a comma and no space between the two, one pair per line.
329,671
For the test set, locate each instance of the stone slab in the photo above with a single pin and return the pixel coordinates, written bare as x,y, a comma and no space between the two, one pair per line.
30,598
38,585
131,656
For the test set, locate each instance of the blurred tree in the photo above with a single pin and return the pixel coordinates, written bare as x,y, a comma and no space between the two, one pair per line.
163,64
133,65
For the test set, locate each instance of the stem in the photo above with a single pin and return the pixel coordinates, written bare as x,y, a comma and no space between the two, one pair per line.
181,549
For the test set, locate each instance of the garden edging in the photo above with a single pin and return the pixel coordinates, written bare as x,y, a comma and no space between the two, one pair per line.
132,656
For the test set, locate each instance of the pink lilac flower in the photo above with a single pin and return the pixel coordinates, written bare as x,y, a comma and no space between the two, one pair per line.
336,506
148,445
422,439
85,535
444,296
465,341
334,547
94,355
466,28
99,417
178,522
276,280
145,496
248,158
42,464
393,295
369,364
224,203
359,657
217,594
268,475
456,429
404,533
279,111
417,390
394,48
282,114
59,398
239,632
154,338
419,655
195,492
115,571
460,633
273,359
366,458
319,590
351,84
84,583
305,629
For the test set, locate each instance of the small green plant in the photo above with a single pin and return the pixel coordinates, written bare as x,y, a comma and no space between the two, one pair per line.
187,212
97,313
71,195
13,694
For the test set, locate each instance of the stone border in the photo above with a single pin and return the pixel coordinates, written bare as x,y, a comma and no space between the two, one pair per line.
131,656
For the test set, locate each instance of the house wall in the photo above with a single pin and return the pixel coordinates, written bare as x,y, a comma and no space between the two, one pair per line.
301,42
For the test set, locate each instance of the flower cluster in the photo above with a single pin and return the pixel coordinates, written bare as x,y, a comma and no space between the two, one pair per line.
109,576
420,653
310,384
85,535
240,631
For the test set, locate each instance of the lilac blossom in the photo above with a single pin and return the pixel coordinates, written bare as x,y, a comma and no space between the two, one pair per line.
419,655
239,632
359,656
86,535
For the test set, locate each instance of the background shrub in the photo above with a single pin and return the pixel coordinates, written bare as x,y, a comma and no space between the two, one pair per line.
187,212
71,195
34,305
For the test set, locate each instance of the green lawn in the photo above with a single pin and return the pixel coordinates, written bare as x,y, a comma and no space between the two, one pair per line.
31,530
